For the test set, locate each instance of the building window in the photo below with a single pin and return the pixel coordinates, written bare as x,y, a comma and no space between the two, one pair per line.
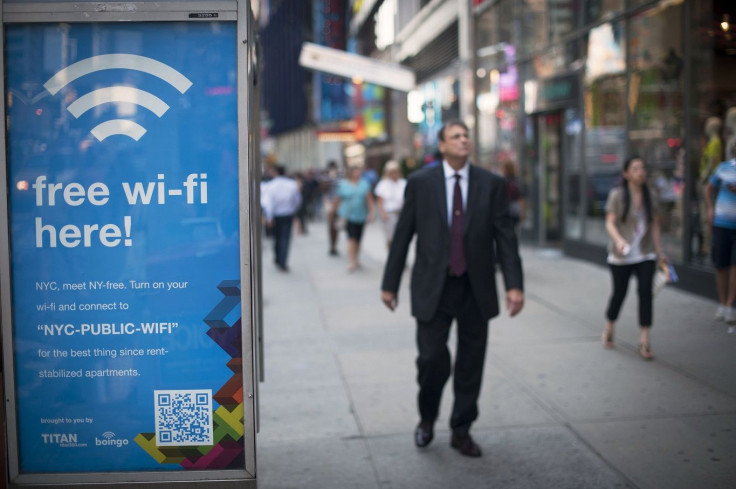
547,22
535,25
573,205
494,27
655,103
713,96
604,84
497,84
598,10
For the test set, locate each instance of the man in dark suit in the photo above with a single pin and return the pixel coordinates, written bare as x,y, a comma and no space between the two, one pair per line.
459,213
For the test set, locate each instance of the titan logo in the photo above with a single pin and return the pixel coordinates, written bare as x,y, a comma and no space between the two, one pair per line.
62,439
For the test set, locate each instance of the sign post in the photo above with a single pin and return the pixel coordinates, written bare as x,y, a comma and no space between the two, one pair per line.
127,279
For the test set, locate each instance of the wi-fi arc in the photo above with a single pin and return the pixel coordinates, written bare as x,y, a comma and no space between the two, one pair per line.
123,127
117,61
108,435
117,94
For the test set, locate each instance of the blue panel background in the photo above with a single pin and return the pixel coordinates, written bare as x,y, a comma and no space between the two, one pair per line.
196,243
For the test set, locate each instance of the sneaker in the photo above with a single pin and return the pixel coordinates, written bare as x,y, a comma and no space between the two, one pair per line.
729,316
720,313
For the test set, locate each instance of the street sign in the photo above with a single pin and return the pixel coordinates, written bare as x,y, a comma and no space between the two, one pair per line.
349,65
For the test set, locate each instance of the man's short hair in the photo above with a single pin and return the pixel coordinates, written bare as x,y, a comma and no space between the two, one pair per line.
454,122
280,170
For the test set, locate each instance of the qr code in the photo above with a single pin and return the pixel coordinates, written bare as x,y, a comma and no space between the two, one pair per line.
183,417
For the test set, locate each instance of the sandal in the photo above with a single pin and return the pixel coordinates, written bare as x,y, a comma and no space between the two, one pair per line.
607,338
645,351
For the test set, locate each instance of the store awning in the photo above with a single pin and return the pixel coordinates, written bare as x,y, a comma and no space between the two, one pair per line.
348,65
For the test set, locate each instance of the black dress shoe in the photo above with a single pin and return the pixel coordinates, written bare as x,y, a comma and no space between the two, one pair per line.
465,445
424,434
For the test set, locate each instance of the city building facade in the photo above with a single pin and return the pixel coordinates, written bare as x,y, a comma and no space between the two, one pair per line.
567,90
563,89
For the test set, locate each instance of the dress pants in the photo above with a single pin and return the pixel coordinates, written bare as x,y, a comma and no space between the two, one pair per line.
281,238
434,362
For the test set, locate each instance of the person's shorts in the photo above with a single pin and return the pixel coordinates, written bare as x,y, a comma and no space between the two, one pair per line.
723,248
354,230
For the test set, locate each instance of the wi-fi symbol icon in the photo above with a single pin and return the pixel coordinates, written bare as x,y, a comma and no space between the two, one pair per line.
118,93
108,435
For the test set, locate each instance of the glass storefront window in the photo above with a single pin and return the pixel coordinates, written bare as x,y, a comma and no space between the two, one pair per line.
529,174
563,19
573,174
597,10
494,30
713,96
498,114
535,25
638,3
431,105
655,102
547,22
556,60
497,85
604,83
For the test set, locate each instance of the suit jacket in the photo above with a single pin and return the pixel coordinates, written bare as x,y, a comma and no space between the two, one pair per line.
488,238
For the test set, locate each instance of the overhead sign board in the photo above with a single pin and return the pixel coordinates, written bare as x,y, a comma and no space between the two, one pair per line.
350,65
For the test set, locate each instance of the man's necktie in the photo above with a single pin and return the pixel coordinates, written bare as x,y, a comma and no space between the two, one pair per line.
457,254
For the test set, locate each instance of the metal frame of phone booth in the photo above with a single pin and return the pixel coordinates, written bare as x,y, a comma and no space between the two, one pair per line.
103,13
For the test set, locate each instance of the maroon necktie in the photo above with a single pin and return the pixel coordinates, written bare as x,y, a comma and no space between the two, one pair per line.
457,254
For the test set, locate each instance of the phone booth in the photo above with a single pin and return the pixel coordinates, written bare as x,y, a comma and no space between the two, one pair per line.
128,272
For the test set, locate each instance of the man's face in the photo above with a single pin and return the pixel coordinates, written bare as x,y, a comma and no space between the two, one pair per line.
456,144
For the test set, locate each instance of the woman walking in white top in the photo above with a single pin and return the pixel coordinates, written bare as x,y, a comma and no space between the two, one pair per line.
633,226
390,195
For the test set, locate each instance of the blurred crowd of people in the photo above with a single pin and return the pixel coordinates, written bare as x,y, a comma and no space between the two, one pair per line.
348,197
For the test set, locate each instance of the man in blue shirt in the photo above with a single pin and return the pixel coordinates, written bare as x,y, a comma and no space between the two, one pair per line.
720,201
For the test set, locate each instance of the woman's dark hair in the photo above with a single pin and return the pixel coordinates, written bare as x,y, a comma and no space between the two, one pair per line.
646,197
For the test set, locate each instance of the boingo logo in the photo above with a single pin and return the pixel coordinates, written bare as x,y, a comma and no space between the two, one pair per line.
109,440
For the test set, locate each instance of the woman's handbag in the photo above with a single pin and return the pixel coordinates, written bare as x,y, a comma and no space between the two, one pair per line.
665,274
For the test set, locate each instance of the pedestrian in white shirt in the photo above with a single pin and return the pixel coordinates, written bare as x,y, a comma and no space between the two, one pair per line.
390,195
281,199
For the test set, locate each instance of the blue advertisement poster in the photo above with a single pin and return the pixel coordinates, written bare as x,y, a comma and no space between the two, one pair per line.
123,195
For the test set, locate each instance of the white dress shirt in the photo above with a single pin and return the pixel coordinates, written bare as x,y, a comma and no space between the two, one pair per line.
450,172
280,197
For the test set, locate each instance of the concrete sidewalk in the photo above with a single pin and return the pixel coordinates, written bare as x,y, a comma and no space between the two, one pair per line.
557,410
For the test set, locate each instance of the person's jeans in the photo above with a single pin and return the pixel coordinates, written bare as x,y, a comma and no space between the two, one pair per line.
282,238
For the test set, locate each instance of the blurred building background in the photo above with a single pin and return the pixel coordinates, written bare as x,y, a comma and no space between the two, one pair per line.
565,89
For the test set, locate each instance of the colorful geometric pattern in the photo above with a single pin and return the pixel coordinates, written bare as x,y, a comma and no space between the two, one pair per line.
228,424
